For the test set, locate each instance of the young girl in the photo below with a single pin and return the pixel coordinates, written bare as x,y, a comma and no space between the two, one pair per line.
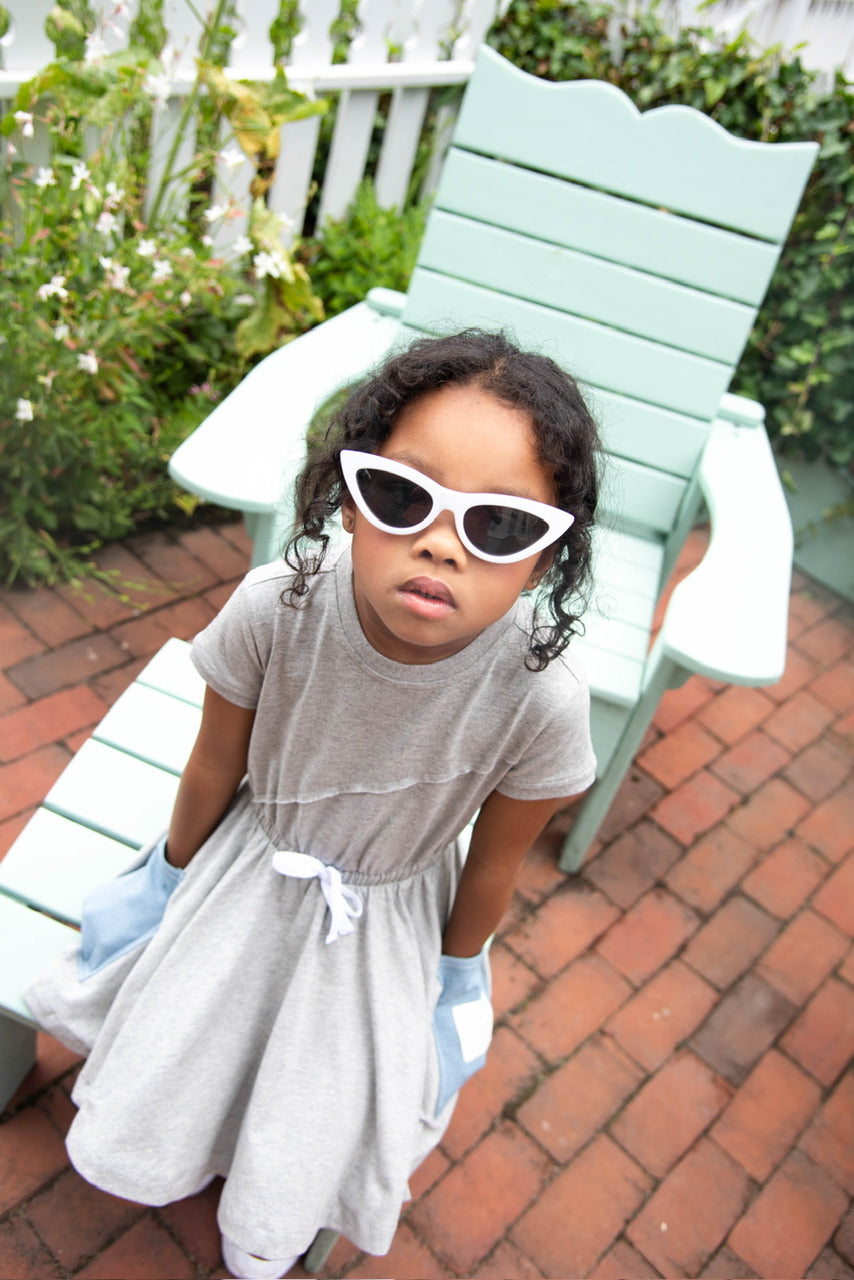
302,1017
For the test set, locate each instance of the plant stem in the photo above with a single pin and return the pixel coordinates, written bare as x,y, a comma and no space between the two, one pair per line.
187,110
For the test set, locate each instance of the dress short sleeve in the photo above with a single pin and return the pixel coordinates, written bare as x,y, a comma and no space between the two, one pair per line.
233,651
559,759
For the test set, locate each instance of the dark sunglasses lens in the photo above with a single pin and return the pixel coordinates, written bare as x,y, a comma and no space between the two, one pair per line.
502,531
394,500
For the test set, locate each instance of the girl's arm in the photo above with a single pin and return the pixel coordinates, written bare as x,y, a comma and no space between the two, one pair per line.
503,833
214,771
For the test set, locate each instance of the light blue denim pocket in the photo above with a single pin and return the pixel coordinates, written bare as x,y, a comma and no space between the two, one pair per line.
127,911
462,1021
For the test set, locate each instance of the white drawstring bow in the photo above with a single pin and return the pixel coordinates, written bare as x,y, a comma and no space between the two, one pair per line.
344,904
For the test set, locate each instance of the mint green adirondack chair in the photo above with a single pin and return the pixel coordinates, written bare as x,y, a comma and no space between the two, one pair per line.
634,249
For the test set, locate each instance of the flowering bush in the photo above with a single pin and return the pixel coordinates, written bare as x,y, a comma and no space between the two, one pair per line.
122,320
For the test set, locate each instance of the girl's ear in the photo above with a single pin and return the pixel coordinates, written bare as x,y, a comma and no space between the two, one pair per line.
348,513
541,568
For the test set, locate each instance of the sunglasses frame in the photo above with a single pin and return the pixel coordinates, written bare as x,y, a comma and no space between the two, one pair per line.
453,500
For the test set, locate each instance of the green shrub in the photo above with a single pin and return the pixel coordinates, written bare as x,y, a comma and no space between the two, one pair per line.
798,361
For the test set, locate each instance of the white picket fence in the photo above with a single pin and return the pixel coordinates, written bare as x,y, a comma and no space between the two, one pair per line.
434,42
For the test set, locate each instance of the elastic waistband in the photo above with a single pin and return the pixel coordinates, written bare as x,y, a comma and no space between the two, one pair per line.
344,904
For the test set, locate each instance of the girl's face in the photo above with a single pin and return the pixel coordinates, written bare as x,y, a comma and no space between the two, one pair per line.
424,596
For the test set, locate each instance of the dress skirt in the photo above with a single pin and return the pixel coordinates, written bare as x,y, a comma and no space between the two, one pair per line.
237,1042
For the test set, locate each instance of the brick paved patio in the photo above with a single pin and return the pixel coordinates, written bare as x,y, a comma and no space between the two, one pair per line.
669,1093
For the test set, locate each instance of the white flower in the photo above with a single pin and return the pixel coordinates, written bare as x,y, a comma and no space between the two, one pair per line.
24,411
107,223
24,119
45,178
88,362
147,248
53,289
187,252
186,298
207,241
116,275
11,150
79,174
232,157
215,212
244,300
96,49
286,222
271,264
161,270
113,196
241,246
158,89
61,331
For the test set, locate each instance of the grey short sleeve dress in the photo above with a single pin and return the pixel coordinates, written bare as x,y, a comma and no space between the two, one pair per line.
237,1041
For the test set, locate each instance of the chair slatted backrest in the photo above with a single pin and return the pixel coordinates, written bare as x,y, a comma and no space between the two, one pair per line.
633,248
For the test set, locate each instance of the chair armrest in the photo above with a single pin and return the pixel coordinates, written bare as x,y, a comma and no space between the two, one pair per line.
728,619
245,453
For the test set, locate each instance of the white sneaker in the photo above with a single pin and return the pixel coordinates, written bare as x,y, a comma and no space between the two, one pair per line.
246,1266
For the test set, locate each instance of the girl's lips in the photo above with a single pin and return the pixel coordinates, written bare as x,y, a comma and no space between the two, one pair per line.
428,597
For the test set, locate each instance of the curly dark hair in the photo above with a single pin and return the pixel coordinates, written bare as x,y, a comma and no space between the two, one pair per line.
567,444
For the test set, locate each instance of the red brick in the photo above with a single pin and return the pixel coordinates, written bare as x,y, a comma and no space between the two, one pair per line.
428,1173
76,1220
829,1266
691,1212
236,533
752,761
678,705
562,928
74,663
112,684
735,712
12,827
580,1214
799,671
52,1061
791,1219
803,955
799,721
828,641
147,634
671,1111
540,873
680,754
844,1238
622,1261
845,969
631,865
193,1223
507,1260
145,1251
172,562
31,1152
637,795
822,1038
769,815
725,1264
575,1101
808,604
512,981
830,1138
648,935
694,806
785,878
709,871
26,782
510,1070
48,720
662,1014
747,1020
22,1255
96,602
835,899
730,942
208,545
10,697
48,616
819,770
835,687
829,829
407,1259
573,1006
16,641
766,1115
474,1203
131,579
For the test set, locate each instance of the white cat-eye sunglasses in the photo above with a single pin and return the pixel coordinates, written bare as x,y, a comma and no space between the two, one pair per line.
497,527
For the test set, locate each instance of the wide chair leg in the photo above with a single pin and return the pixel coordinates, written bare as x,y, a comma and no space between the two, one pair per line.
664,674
319,1250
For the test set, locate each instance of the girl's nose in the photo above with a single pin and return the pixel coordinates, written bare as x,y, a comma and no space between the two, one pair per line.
440,541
